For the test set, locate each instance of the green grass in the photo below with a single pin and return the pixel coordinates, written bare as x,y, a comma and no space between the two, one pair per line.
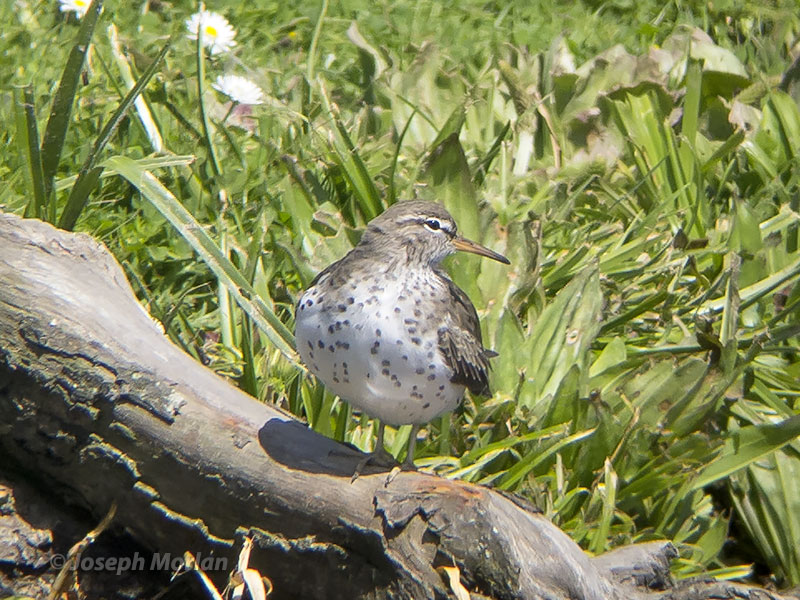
637,162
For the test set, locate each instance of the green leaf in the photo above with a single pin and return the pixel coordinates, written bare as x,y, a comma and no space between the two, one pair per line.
661,390
378,64
730,316
766,500
448,172
522,468
311,59
691,108
183,222
61,109
451,128
613,354
562,336
143,111
757,291
600,536
745,446
451,181
28,140
90,173
506,371
746,234
349,160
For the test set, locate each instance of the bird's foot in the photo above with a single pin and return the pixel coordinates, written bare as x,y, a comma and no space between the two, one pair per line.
380,458
407,465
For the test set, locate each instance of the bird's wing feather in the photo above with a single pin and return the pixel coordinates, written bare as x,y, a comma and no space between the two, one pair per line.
461,345
318,279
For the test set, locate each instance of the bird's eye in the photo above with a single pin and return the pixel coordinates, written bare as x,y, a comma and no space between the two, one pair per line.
433,224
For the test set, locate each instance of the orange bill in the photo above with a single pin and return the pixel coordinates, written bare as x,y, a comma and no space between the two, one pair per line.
466,245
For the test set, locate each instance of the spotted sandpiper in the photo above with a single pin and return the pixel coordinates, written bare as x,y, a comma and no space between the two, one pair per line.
386,329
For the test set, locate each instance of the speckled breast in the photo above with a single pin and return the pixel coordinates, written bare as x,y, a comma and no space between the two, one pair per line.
374,343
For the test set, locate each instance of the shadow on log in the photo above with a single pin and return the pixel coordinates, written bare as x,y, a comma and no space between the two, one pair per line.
97,406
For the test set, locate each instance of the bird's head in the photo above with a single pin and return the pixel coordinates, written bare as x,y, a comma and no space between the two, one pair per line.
423,231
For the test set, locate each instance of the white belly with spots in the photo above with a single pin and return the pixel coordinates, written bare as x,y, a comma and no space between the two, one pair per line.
372,351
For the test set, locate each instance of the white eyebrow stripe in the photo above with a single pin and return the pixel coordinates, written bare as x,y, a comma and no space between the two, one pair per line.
446,226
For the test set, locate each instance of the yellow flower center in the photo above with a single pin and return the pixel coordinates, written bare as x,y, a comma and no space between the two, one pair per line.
211,31
81,3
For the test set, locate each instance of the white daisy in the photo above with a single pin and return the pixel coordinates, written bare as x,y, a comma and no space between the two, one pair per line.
218,34
79,7
239,89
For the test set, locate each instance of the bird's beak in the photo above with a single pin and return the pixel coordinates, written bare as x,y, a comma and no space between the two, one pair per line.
466,245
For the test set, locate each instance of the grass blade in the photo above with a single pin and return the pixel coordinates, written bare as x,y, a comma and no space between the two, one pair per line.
312,48
201,104
124,67
150,163
183,222
747,445
61,110
608,491
392,194
532,460
353,167
753,293
562,336
28,136
90,173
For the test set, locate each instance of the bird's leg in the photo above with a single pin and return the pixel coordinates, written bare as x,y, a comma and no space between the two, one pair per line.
408,463
379,457
378,449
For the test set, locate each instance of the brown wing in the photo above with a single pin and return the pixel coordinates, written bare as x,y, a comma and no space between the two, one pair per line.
461,344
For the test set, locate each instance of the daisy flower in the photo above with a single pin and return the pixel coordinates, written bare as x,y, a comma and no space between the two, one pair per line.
79,7
239,89
218,34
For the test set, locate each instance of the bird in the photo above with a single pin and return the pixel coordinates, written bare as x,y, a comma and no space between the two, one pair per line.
387,330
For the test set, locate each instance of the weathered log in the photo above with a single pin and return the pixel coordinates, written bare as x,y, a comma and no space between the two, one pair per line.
97,405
